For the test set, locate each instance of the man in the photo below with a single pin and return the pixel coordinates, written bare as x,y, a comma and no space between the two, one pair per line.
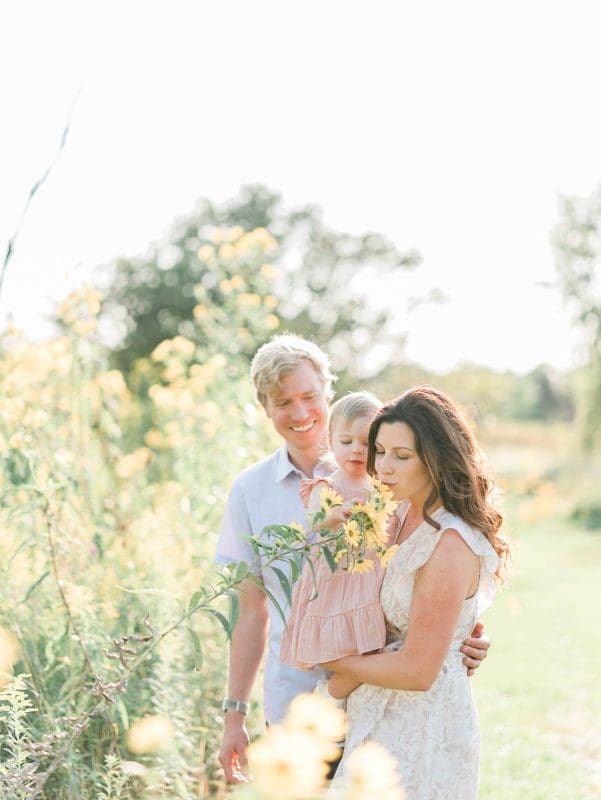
293,382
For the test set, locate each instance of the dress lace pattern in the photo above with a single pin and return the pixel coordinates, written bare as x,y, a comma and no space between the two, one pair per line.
433,735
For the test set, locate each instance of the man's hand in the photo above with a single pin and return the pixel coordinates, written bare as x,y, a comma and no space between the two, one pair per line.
475,648
232,755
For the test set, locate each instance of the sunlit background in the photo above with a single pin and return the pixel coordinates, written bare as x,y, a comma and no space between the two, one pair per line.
464,138
451,129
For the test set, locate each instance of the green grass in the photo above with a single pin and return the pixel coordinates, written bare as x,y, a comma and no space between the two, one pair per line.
538,694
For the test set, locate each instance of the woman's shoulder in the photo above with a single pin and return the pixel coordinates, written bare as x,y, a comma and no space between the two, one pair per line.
475,539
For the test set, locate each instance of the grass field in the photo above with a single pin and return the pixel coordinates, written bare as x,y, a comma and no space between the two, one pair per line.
538,694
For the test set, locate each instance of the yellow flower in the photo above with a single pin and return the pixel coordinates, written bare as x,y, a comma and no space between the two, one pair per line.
234,233
183,347
155,439
131,463
287,764
149,734
217,361
237,282
270,301
226,252
329,498
351,533
10,650
382,497
371,772
271,322
199,310
84,326
388,554
205,252
296,526
317,717
362,565
338,556
363,512
218,235
376,537
112,382
269,271
247,299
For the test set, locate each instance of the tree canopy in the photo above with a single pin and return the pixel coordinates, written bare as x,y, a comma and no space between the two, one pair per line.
310,280
577,245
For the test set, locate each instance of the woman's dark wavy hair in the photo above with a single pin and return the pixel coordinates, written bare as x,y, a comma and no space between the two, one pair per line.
450,453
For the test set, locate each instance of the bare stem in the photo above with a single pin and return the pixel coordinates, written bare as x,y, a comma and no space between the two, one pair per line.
50,529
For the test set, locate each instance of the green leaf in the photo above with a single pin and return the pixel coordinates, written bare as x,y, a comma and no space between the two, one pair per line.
277,530
284,583
195,599
33,587
218,615
272,599
234,608
197,649
330,559
312,568
295,567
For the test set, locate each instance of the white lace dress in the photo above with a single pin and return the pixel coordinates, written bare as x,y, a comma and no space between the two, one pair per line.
433,735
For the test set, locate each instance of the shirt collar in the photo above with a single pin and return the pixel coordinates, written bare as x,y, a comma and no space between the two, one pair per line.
284,466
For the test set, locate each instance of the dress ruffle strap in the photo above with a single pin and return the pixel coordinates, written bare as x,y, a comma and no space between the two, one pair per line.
418,549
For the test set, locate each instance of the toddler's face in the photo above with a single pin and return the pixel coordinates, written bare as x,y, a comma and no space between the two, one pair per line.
349,445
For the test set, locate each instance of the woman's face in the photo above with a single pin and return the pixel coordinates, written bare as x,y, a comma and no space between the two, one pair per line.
398,465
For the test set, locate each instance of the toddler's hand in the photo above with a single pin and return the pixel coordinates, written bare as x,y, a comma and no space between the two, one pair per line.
342,513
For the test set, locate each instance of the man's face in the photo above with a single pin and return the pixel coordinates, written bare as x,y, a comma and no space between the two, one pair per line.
298,409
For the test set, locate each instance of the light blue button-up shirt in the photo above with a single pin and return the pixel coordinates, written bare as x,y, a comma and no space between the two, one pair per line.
267,494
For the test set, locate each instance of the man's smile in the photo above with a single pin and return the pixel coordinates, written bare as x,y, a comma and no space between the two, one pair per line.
304,428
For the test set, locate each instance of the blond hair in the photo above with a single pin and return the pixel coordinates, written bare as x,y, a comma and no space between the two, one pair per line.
283,354
355,405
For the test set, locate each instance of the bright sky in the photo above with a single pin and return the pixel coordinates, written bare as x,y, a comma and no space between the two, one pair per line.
450,127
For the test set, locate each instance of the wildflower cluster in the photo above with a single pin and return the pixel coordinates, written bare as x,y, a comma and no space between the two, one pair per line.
365,532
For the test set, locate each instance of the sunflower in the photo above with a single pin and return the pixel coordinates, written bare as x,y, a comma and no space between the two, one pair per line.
329,499
388,554
362,565
300,531
352,534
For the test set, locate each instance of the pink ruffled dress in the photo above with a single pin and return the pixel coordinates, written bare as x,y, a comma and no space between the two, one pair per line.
346,617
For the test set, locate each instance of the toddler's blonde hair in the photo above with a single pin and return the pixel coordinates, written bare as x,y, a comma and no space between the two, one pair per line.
352,406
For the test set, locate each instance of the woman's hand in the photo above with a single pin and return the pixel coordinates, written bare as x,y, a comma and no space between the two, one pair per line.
475,649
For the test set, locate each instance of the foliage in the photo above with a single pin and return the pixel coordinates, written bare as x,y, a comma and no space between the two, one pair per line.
106,579
577,245
318,287
542,394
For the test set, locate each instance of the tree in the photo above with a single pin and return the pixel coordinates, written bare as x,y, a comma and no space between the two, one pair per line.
576,242
323,290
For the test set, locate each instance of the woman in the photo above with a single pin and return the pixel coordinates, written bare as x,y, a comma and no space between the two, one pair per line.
415,697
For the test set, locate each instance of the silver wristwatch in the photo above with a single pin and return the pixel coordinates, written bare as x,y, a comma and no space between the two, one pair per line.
235,705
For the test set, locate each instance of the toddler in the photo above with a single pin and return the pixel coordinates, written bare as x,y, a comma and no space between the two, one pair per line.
345,618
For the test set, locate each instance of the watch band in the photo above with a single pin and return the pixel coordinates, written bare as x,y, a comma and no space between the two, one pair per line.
235,705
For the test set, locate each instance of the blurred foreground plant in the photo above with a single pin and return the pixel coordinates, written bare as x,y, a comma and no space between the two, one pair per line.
291,761
106,554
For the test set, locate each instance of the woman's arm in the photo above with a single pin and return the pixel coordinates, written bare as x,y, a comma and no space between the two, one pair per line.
441,587
340,686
